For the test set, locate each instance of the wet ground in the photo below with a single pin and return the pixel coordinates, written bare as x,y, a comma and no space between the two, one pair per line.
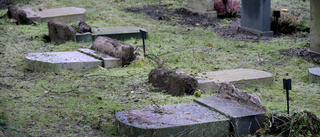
227,28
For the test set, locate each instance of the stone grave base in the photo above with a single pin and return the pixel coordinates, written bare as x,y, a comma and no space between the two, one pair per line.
56,61
211,116
241,78
314,75
119,33
60,14
254,31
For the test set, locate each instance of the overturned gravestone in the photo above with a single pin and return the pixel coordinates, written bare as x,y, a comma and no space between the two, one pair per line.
202,7
177,84
60,33
115,49
232,112
19,16
60,14
210,81
255,16
119,33
56,61
314,75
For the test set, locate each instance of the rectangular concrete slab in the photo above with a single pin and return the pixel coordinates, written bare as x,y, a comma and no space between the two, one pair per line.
108,61
174,120
244,120
202,7
61,14
209,81
56,61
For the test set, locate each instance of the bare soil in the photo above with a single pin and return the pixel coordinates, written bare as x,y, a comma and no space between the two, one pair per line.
302,53
182,16
227,30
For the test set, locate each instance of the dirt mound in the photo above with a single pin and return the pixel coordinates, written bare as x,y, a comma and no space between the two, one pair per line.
299,124
182,16
302,53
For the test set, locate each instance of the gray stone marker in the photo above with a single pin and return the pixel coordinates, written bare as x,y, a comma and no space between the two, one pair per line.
119,33
210,81
314,75
60,14
174,120
202,7
108,61
244,120
315,26
255,16
56,61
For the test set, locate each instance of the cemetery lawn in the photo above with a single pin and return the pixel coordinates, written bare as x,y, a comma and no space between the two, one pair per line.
83,103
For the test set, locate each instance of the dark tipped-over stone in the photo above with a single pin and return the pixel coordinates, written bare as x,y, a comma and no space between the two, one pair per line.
60,33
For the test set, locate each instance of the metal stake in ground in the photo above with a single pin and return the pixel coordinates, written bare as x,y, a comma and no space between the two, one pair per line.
287,86
143,36
277,15
225,2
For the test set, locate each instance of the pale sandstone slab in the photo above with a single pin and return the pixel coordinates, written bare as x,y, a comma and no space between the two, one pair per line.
60,14
210,81
56,61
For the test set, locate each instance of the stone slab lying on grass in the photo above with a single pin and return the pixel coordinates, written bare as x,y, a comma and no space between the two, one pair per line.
209,81
108,61
119,33
174,120
56,61
314,75
61,14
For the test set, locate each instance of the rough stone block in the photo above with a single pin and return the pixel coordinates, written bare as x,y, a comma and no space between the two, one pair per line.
108,61
315,26
56,61
60,32
210,81
174,120
115,49
314,75
19,15
177,84
255,16
244,120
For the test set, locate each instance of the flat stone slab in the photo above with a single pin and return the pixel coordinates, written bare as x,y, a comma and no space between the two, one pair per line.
209,81
173,120
314,75
244,120
56,61
119,33
61,14
108,61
